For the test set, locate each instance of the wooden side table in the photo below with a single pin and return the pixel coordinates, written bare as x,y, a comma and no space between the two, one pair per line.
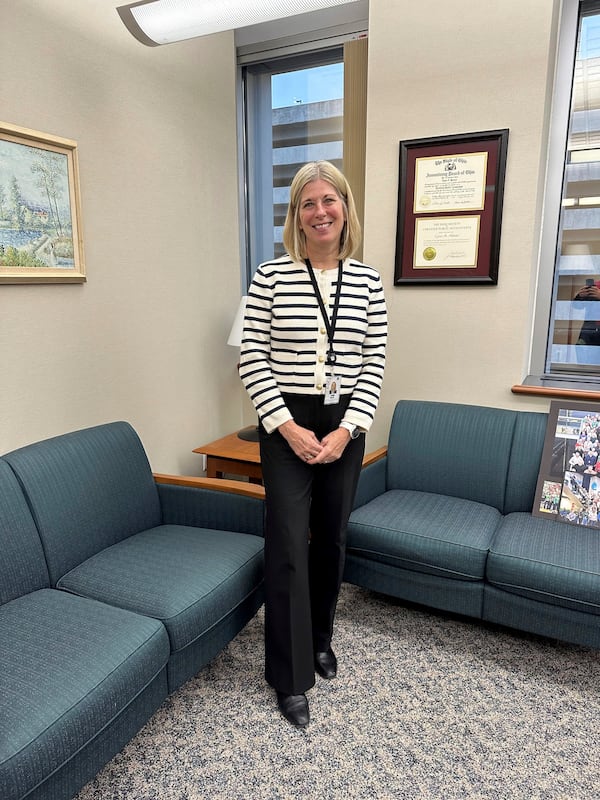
232,456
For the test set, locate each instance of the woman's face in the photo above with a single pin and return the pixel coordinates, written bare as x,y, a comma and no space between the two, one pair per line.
321,215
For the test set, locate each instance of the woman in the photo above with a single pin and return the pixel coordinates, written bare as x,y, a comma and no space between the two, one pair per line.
312,361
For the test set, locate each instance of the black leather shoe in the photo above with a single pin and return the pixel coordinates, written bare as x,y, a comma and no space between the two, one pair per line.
326,664
294,708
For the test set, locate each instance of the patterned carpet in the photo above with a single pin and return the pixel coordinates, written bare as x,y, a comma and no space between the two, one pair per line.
424,707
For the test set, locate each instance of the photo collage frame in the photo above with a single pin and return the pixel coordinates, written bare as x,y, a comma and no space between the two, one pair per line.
568,487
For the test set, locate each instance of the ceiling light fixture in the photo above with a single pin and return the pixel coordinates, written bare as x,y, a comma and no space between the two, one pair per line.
155,22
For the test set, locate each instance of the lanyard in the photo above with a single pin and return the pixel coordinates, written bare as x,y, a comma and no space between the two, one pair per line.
330,326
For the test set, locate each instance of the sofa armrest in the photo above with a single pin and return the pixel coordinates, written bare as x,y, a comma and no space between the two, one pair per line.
375,455
371,482
218,484
211,503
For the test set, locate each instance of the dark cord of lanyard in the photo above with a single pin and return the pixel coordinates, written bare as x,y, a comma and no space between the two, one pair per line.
330,326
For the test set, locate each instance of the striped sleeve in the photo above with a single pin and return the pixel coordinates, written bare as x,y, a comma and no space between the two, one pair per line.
367,386
255,354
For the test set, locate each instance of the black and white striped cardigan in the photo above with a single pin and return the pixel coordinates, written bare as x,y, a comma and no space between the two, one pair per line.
285,341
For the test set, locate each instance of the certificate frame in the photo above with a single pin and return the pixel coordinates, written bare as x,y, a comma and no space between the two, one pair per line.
450,195
40,220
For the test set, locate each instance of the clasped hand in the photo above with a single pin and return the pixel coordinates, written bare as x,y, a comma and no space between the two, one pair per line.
307,447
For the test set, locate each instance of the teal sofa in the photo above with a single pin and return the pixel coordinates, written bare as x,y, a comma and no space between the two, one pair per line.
443,518
116,586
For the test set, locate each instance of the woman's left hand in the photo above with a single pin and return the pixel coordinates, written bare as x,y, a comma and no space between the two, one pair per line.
334,445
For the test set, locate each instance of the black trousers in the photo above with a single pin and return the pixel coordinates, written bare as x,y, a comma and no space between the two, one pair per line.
307,510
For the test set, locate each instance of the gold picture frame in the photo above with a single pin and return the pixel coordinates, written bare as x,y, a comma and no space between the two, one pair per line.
40,208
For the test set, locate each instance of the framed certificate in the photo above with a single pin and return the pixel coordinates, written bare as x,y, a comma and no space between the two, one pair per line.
450,208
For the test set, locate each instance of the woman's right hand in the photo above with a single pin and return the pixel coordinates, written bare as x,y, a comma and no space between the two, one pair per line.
588,293
303,442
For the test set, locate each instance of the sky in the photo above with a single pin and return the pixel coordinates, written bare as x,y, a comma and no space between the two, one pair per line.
308,85
589,42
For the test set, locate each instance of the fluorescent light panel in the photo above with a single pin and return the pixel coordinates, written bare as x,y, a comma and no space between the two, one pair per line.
155,22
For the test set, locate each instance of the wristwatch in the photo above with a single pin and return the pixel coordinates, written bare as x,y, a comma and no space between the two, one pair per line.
353,430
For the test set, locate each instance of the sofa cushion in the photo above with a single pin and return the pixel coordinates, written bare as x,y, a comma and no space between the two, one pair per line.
22,565
87,490
189,578
426,532
68,668
525,457
547,561
451,449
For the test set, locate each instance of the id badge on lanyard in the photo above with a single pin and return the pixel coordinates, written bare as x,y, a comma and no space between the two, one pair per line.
332,390
332,383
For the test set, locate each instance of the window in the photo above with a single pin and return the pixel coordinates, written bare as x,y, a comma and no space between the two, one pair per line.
293,74
294,114
572,351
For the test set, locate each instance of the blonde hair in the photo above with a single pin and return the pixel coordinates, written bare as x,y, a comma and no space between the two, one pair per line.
294,239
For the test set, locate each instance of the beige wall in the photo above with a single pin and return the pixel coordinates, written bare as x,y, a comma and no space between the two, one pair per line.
144,339
439,68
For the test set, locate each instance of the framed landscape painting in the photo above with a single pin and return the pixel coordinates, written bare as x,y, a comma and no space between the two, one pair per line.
568,487
40,216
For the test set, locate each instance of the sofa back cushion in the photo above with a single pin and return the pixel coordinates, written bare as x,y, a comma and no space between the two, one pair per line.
22,565
87,490
452,449
489,455
525,458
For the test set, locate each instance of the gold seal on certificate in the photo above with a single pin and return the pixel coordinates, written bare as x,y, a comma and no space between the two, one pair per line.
429,253
425,201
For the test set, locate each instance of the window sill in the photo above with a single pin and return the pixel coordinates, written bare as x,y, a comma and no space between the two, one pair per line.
559,387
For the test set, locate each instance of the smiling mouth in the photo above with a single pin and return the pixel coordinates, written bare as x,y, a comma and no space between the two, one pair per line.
321,226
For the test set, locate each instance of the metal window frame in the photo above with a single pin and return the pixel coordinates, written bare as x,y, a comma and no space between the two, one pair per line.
547,283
